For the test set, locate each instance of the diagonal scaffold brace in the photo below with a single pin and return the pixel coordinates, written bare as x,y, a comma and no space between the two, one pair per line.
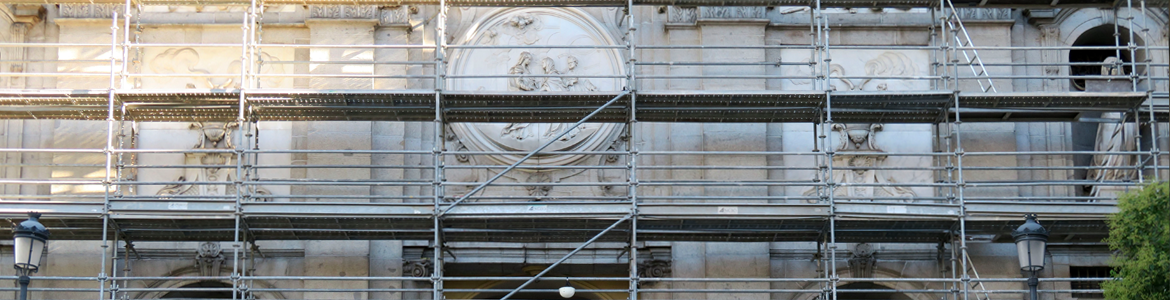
567,256
533,153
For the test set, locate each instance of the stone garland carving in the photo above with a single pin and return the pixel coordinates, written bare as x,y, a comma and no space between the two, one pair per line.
213,136
343,12
209,259
88,11
860,138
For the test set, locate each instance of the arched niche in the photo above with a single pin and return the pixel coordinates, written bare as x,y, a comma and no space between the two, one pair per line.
179,281
198,290
1084,60
1150,28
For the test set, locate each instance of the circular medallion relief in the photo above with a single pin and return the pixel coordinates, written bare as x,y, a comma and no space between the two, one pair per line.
556,70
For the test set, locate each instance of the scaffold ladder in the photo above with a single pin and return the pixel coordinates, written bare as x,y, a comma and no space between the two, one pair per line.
971,264
963,39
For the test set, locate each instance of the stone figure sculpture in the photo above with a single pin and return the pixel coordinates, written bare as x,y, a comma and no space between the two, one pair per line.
1112,137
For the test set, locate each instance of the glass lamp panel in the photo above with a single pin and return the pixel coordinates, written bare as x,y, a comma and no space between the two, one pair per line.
28,252
1037,249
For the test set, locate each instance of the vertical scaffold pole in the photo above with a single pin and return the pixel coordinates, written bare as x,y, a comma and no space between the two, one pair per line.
437,149
1155,146
107,183
241,121
953,59
632,148
826,128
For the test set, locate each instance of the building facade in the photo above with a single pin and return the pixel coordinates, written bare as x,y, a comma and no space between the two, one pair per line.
682,150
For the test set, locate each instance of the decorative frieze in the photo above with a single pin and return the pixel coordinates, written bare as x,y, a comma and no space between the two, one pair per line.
984,14
88,11
343,12
731,12
682,15
394,16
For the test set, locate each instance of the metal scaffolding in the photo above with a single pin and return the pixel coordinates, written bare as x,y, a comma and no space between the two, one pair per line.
963,90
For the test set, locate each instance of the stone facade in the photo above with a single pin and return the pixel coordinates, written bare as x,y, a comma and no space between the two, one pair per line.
867,154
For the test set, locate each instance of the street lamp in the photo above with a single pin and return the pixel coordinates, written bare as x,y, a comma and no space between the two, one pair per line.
30,239
1031,239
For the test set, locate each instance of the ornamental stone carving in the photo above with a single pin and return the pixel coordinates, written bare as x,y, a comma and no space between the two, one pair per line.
682,15
88,11
537,70
394,16
863,261
213,166
209,258
731,12
343,12
984,14
857,156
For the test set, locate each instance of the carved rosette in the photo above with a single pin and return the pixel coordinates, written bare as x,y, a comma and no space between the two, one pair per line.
555,70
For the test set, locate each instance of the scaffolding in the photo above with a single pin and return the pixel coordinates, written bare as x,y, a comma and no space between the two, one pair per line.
962,91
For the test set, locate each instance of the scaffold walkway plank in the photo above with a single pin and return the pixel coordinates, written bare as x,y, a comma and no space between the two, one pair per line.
172,220
613,3
552,107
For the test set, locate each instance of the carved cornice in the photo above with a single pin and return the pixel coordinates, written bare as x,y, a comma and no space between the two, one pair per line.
343,12
88,11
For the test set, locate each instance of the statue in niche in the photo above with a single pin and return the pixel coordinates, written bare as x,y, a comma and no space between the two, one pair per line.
1113,137
858,151
212,166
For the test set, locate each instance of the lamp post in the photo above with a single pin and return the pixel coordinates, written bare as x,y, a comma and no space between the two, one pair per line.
30,240
1031,239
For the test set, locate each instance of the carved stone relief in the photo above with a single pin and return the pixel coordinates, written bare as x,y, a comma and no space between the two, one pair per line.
682,14
978,13
394,16
536,70
862,262
88,11
207,68
731,12
209,259
860,139
890,64
343,11
213,166
859,153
